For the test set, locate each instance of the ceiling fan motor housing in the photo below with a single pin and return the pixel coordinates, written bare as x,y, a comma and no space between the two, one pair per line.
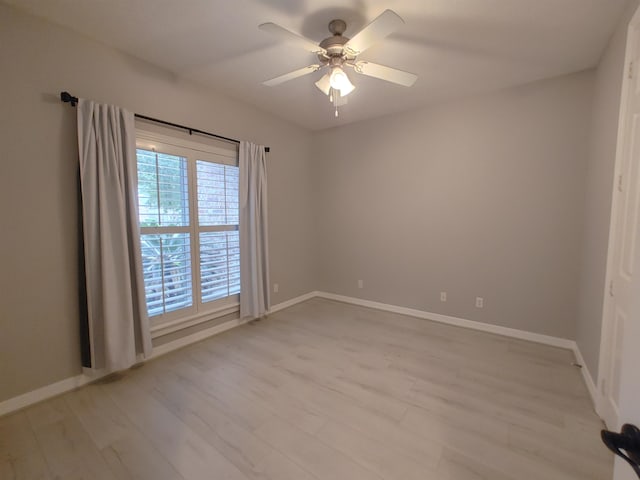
334,45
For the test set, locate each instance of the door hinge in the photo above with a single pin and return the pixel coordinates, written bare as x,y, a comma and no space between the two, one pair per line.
630,69
611,288
620,182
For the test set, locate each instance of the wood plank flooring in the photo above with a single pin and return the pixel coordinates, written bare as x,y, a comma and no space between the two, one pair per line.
322,391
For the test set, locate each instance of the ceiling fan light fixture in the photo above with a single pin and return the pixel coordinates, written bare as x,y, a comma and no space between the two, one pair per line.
324,85
339,80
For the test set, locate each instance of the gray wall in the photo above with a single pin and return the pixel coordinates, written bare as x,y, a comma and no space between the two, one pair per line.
38,277
601,163
480,197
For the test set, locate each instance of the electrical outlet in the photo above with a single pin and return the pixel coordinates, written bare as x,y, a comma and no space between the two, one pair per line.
360,284
479,302
276,288
443,296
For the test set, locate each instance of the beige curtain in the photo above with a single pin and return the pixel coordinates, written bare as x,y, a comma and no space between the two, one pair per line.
254,244
118,324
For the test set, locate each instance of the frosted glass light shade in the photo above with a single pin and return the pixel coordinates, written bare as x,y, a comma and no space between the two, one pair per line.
324,85
339,80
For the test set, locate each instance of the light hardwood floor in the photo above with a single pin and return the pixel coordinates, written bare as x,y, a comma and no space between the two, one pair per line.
323,390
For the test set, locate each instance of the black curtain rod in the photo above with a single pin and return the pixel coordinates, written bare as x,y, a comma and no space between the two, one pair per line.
66,97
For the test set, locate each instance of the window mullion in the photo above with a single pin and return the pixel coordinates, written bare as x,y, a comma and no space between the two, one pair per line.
224,178
226,237
195,233
158,187
164,296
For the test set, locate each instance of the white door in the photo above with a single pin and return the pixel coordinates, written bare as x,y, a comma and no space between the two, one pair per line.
622,270
619,373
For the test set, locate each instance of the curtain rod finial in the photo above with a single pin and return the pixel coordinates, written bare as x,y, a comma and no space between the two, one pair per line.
66,97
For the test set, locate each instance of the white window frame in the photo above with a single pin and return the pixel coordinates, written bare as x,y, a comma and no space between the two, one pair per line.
199,312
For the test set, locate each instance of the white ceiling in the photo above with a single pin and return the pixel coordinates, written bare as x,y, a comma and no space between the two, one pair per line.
456,47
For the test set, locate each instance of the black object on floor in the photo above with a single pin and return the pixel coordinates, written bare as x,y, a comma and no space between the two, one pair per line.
628,440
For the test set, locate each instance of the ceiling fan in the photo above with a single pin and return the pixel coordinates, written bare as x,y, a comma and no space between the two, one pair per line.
337,52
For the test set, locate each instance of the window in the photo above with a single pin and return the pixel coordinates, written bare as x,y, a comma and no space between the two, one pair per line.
188,213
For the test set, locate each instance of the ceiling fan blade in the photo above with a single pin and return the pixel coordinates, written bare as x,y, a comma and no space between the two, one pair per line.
291,75
291,37
380,27
389,74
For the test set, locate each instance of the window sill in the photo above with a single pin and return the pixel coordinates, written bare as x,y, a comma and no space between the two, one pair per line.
166,328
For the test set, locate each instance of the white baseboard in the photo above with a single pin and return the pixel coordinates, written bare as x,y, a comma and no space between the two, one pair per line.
194,337
223,327
292,302
484,327
586,376
48,391
88,375
52,390
458,322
